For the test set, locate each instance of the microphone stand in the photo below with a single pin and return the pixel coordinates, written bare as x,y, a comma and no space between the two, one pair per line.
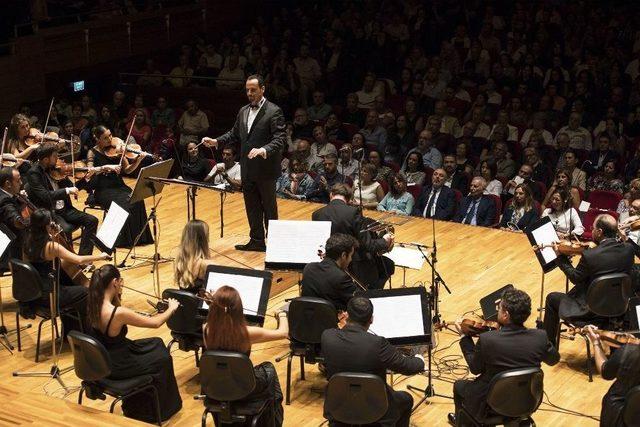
360,181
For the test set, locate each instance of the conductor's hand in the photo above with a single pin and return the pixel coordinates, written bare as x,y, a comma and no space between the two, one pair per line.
210,142
255,152
173,304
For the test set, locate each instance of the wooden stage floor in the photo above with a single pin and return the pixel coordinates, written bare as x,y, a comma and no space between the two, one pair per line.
473,261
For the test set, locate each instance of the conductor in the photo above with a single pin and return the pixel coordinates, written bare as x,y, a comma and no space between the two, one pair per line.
260,131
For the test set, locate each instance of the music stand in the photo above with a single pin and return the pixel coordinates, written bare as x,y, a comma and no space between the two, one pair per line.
404,256
542,233
106,236
293,244
144,189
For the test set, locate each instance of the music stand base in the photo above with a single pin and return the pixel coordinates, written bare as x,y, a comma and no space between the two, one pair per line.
427,393
55,373
4,336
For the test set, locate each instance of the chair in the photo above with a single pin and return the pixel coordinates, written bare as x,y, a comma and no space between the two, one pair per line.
308,318
92,364
415,191
185,324
27,287
513,395
356,398
384,184
601,199
227,377
630,413
498,205
91,203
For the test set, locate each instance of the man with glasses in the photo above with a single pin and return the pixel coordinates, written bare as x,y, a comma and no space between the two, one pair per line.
524,177
540,171
328,178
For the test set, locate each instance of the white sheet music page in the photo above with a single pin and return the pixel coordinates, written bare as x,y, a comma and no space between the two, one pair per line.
296,242
4,242
546,235
397,316
406,257
112,224
249,288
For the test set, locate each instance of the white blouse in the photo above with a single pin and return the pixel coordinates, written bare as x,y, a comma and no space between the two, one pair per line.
565,221
494,187
369,192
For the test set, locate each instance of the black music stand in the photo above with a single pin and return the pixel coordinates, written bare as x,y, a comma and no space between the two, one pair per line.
543,233
144,189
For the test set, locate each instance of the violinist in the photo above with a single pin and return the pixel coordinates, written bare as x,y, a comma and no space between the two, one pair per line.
11,211
108,185
512,346
609,256
19,142
328,279
45,192
624,367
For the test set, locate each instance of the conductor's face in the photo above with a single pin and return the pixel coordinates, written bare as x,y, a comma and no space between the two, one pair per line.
254,91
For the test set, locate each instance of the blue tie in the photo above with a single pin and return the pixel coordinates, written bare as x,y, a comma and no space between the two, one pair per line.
473,210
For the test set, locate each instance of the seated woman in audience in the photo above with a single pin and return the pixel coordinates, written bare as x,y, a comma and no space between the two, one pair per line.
296,183
226,329
132,358
141,131
562,182
398,200
607,180
488,171
370,191
383,173
193,256
564,217
463,163
413,169
521,212
629,197
194,166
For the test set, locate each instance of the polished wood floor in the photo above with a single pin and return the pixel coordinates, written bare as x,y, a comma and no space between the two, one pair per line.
473,262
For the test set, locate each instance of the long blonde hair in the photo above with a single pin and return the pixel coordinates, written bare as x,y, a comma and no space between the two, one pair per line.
194,246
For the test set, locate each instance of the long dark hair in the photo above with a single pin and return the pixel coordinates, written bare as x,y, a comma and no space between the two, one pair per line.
100,281
37,235
226,325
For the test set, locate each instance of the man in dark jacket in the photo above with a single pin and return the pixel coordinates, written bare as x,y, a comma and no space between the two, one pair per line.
10,213
477,208
437,201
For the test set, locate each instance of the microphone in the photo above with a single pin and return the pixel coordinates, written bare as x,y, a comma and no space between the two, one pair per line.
413,244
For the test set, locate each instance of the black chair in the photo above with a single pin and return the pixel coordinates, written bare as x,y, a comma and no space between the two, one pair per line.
513,397
91,203
607,297
185,324
226,378
356,398
630,413
92,365
27,287
308,318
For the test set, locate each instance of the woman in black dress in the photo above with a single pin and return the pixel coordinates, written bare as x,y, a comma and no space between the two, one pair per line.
108,185
131,358
195,167
193,256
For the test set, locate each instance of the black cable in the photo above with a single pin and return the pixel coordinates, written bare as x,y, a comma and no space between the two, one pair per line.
565,411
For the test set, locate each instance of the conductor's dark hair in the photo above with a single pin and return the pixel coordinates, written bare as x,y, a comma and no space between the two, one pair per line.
338,244
343,190
6,174
257,77
46,150
518,304
606,223
360,310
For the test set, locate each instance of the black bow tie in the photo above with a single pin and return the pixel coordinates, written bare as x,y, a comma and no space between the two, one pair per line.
254,106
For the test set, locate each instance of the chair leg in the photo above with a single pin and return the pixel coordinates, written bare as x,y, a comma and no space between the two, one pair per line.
197,355
204,418
589,370
113,404
172,342
38,340
80,395
288,391
18,329
302,368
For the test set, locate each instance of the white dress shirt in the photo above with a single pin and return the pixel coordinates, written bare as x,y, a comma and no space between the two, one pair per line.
253,112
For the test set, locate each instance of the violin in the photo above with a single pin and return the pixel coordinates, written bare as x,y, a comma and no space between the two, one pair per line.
613,338
132,150
9,159
473,327
28,207
64,170
567,247
35,137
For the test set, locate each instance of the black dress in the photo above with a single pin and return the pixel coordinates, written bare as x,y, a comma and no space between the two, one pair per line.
147,356
195,171
624,367
111,187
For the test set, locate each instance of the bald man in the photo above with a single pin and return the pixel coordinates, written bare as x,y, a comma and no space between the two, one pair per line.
609,256
477,208
437,200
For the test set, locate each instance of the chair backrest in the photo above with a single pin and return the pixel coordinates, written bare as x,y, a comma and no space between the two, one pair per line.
356,398
27,283
226,376
630,413
415,191
185,319
602,199
516,393
498,205
91,360
309,317
608,295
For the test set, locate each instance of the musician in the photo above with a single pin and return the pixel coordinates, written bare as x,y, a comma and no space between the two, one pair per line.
328,279
624,367
109,323
11,207
47,193
477,208
193,256
437,201
353,349
368,266
16,136
227,172
226,329
513,346
609,256
260,131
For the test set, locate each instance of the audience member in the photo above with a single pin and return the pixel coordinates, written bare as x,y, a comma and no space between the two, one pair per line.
606,180
454,179
193,124
296,183
477,208
521,211
413,169
398,200
369,192
488,172
437,200
564,217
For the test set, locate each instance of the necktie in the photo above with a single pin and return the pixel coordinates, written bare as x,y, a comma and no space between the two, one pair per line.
471,213
432,198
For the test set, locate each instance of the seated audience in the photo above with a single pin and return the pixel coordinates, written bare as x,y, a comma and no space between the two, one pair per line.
194,167
231,77
333,129
319,110
383,172
181,74
520,211
606,180
436,201
193,124
328,178
162,115
347,165
627,200
302,127
193,256
600,157
296,183
541,171
488,171
579,137
524,177
228,171
463,163
431,156
375,136
398,200
477,208
562,182
454,179
413,169
141,131
563,215
578,177
369,192
321,147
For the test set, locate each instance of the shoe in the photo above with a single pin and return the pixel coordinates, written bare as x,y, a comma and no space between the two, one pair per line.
451,417
253,246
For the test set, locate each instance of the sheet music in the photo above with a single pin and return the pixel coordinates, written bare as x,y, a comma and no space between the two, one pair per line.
546,235
397,316
518,180
112,224
249,288
296,242
406,257
5,241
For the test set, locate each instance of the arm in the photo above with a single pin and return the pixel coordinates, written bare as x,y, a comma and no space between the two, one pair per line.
54,250
278,134
130,167
232,136
382,206
395,361
129,317
10,214
552,356
409,206
40,195
379,193
258,335
472,354
577,275
491,214
577,226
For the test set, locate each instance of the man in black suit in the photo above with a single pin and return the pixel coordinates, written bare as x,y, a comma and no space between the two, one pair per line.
524,173
600,157
328,279
47,193
368,266
260,131
10,212
513,346
437,201
353,349
610,256
455,180
477,208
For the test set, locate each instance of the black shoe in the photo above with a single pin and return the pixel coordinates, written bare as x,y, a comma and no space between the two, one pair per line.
451,417
253,246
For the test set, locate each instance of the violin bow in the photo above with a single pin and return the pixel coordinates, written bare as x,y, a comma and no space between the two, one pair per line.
126,142
46,122
4,141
